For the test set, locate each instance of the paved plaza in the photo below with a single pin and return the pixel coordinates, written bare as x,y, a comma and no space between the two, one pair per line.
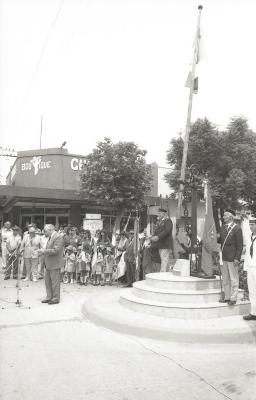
54,352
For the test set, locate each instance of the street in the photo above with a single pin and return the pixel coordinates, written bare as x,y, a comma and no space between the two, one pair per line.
53,352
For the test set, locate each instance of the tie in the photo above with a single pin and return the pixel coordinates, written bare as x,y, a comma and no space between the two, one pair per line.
251,247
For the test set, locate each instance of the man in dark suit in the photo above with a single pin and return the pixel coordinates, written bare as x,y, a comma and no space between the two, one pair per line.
231,239
162,238
52,260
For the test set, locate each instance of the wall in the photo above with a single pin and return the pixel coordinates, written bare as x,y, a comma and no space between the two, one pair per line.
55,169
48,168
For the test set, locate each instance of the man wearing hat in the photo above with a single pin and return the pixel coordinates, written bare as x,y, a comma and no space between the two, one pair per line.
250,265
162,238
13,243
231,239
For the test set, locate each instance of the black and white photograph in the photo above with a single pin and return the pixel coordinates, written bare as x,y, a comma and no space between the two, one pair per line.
127,200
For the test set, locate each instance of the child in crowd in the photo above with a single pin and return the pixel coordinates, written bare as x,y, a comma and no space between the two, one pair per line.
109,266
97,267
70,264
84,264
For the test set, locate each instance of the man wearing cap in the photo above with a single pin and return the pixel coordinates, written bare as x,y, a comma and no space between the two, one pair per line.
13,243
231,239
53,259
162,238
250,266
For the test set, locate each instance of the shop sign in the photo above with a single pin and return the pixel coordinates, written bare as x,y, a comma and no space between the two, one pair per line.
77,164
35,164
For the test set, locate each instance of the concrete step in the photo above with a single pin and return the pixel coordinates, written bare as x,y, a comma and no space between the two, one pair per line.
182,310
144,291
167,280
106,310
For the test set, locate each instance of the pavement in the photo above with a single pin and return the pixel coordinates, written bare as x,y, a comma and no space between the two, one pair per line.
55,352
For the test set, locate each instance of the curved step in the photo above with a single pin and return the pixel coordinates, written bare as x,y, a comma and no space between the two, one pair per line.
144,291
106,310
167,280
182,310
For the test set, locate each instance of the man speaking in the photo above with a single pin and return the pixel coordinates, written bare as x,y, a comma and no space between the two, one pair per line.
52,261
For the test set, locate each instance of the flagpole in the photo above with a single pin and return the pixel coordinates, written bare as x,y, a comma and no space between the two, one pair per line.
188,121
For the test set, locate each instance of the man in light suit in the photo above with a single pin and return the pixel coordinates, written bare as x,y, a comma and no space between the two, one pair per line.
52,261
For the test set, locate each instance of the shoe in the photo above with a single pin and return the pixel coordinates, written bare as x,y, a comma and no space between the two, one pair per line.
6,278
50,302
232,302
223,301
25,279
15,277
45,301
35,280
249,317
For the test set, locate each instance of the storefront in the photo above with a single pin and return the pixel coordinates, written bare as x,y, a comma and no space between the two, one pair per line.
43,187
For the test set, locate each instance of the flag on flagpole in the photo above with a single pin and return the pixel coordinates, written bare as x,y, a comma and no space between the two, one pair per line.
209,241
192,82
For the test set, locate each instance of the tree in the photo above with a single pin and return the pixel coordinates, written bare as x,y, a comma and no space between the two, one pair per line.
116,175
228,158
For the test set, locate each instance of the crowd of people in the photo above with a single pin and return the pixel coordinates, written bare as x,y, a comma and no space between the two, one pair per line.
88,259
72,255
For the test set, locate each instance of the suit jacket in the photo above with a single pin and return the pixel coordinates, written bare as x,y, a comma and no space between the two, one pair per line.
29,246
53,255
164,233
232,247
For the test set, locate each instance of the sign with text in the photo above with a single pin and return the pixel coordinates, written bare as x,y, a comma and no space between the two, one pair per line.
93,216
93,225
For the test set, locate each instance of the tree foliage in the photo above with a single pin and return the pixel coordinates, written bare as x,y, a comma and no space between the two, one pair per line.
116,175
227,157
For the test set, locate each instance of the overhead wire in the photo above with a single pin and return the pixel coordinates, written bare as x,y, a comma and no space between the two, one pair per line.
42,52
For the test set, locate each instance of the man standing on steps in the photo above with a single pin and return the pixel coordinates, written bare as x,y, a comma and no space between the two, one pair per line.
250,265
52,261
231,239
162,238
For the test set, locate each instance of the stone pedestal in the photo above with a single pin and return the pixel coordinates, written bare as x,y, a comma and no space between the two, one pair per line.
182,297
182,267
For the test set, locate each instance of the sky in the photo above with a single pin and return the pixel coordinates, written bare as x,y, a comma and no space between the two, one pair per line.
94,68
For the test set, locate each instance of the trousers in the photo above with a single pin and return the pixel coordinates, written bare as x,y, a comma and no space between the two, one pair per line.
52,284
251,280
4,255
165,259
230,280
130,271
31,266
12,266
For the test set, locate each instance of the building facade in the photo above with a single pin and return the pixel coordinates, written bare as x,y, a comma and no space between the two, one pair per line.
43,187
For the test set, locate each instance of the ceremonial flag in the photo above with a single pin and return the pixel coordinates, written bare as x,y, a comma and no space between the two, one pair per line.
192,80
209,241
136,244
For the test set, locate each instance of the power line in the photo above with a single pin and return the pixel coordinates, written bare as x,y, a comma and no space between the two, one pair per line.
45,44
42,52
